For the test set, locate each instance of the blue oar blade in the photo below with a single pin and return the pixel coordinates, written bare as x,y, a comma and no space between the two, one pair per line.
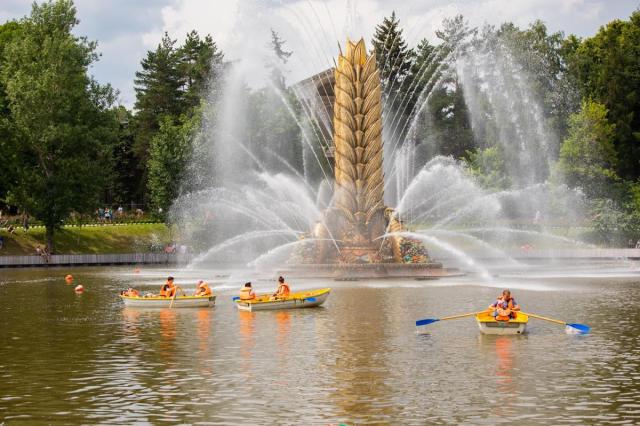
234,298
310,299
426,321
579,328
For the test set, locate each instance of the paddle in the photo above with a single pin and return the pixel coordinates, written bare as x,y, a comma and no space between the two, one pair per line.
427,321
579,328
174,296
234,298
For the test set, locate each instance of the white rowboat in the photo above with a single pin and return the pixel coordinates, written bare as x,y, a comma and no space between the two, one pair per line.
165,302
489,325
306,299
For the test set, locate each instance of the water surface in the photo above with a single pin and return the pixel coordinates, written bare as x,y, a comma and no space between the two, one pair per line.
72,358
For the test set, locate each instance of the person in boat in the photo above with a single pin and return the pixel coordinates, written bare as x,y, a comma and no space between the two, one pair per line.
246,292
202,289
505,307
283,290
168,289
130,292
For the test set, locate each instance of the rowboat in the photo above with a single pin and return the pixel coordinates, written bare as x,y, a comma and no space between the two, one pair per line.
165,302
304,299
489,325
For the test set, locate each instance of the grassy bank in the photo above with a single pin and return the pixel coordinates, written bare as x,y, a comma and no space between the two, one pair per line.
138,238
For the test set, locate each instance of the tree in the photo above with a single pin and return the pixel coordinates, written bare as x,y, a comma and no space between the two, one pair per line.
201,65
281,58
394,60
606,67
8,32
168,155
587,156
488,166
159,92
62,125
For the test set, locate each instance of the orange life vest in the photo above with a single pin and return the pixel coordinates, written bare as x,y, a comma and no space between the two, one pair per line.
167,290
203,290
246,293
283,290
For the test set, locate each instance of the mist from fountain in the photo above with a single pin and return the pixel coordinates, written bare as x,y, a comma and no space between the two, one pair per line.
261,201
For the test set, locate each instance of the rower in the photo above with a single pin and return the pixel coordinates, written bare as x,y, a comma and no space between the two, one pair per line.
202,289
505,307
246,292
130,292
168,289
283,290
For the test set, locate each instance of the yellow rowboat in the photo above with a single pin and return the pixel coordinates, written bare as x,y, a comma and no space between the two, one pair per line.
304,299
489,325
165,302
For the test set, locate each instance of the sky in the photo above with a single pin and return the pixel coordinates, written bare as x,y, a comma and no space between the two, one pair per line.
126,29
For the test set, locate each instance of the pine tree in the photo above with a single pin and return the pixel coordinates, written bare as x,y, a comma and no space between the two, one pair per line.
200,65
281,58
392,54
159,92
395,61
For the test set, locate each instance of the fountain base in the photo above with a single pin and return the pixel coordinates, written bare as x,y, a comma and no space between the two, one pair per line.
350,271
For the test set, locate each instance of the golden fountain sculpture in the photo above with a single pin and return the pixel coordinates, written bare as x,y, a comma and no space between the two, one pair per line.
358,216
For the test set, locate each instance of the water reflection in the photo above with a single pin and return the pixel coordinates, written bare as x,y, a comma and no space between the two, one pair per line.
357,360
247,339
168,335
204,331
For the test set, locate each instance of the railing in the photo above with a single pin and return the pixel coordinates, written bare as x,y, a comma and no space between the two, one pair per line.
94,259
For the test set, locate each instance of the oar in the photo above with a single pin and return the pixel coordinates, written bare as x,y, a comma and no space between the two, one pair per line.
174,296
580,328
427,321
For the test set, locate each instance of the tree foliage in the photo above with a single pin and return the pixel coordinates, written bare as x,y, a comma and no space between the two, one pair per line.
607,69
61,124
168,155
588,157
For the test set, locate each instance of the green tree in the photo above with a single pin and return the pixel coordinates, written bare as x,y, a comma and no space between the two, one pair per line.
488,166
201,64
159,92
8,32
169,153
448,124
607,68
62,125
395,61
587,156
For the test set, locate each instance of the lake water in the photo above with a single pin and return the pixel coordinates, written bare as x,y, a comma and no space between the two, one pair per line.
68,358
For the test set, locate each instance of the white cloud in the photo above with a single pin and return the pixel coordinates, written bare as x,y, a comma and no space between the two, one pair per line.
312,28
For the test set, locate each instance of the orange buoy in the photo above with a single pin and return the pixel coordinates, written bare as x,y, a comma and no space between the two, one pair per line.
69,279
79,288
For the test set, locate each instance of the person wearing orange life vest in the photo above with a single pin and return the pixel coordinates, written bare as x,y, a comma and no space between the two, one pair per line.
283,290
505,307
168,289
246,292
202,289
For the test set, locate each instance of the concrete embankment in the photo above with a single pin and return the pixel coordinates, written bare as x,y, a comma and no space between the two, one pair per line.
94,259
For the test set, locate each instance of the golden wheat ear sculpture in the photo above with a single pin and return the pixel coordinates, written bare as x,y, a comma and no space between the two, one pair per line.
357,124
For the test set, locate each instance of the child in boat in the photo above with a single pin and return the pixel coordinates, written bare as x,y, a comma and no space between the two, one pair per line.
202,289
283,290
130,292
168,289
505,307
246,292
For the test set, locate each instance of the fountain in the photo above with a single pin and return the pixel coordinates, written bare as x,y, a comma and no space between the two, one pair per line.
346,212
358,235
